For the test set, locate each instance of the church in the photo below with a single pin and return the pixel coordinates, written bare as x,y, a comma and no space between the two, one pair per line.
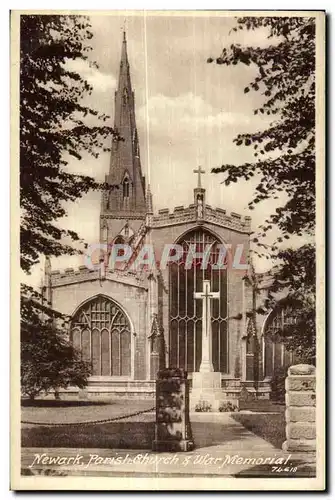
130,323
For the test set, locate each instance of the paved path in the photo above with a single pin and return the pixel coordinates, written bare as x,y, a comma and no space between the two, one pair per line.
224,448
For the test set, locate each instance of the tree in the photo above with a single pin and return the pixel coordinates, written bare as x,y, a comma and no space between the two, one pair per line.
48,359
286,78
284,160
296,278
53,126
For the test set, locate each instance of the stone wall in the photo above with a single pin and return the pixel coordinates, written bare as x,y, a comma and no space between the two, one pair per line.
300,409
132,299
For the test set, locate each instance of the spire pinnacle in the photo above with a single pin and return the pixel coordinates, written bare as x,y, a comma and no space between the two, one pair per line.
47,281
124,29
124,57
149,200
47,266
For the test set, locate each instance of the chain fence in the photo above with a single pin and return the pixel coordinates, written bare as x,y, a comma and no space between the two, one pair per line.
89,422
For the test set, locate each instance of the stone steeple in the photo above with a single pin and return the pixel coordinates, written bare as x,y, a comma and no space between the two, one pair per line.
47,288
125,164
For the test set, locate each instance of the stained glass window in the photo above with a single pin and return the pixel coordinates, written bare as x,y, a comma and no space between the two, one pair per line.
102,332
186,312
276,355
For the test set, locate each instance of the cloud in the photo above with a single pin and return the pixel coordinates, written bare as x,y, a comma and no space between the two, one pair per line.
101,82
188,113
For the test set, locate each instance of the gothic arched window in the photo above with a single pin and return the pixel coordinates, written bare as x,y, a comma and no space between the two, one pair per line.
185,315
102,332
276,355
119,240
104,232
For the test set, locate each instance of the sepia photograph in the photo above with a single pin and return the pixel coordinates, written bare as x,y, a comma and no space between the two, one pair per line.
168,244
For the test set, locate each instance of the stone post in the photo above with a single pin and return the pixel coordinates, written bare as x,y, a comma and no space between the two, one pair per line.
300,409
154,365
243,358
172,428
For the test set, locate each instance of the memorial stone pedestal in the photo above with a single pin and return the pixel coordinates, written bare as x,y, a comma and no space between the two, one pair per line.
206,386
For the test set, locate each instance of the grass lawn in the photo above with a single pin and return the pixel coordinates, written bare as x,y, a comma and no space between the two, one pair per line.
133,432
130,433
121,435
262,405
270,427
72,410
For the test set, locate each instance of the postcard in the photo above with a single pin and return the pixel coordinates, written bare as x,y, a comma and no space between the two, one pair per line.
168,246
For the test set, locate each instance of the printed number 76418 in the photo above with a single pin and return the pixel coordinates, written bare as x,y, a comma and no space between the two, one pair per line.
285,469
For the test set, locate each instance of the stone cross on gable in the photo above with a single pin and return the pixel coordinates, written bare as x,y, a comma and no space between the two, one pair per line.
199,172
206,296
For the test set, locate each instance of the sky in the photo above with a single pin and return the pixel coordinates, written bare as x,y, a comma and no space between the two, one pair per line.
188,113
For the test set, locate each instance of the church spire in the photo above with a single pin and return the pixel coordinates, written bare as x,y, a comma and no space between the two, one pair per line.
47,281
125,165
124,84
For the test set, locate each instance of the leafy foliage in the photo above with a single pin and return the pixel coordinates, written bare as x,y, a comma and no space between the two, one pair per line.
53,127
284,161
227,406
286,78
296,278
278,384
48,359
297,272
203,406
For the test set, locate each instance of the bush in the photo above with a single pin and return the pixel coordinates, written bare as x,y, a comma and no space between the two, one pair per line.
227,406
278,384
49,361
203,406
